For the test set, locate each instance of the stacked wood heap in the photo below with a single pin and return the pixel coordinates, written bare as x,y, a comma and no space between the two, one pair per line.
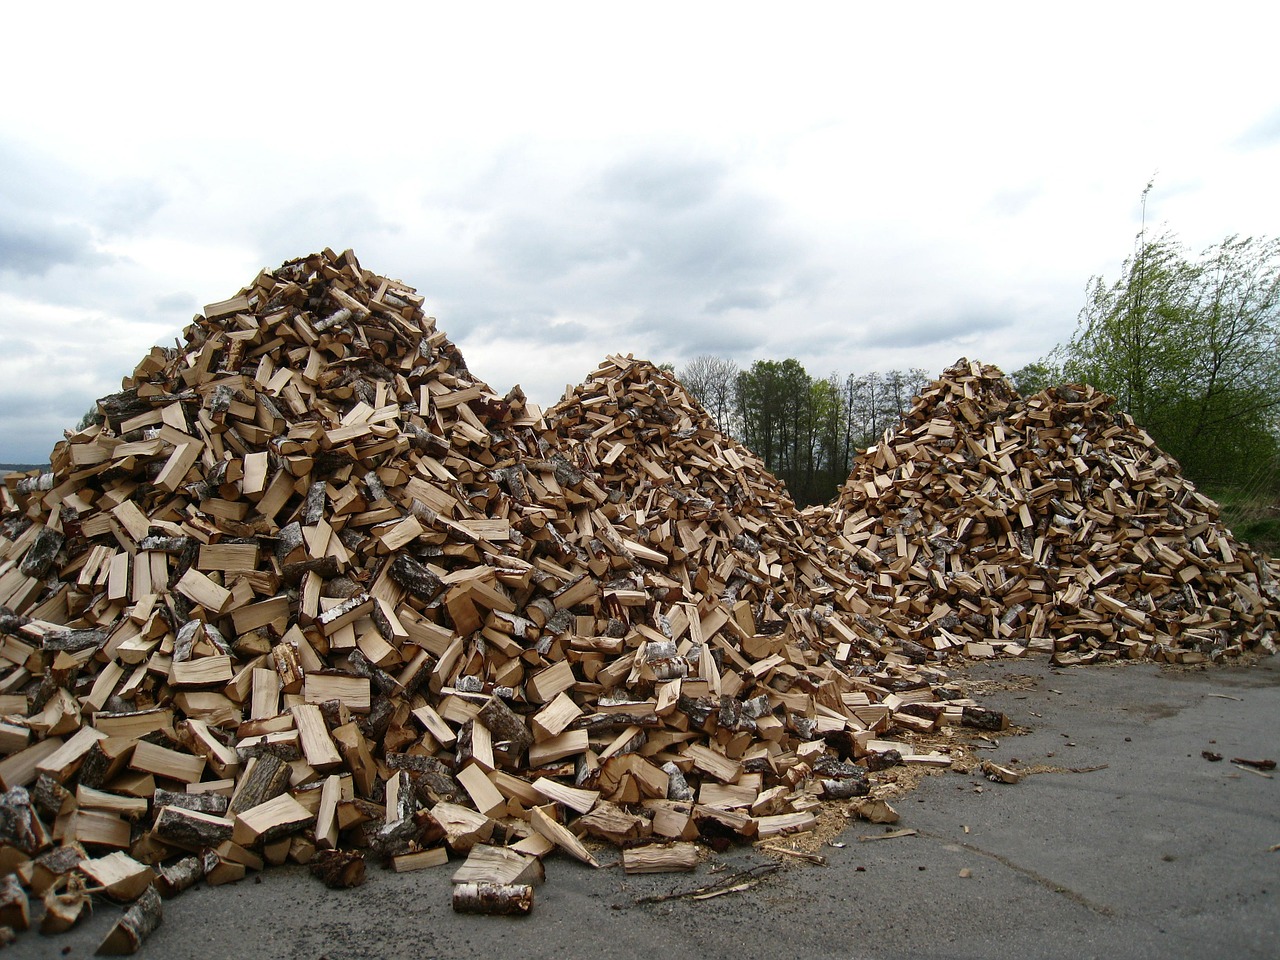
311,591
987,523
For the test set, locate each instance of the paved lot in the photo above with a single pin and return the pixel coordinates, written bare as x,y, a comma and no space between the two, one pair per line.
1160,854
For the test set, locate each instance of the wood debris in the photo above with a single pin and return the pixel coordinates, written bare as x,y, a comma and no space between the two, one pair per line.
998,774
132,930
1256,764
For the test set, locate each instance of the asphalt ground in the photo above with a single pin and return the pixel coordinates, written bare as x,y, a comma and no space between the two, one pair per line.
1126,843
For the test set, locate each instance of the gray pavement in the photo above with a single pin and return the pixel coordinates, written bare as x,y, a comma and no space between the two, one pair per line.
1159,854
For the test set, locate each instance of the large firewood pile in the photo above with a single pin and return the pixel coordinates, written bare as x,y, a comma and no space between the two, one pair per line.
311,591
989,523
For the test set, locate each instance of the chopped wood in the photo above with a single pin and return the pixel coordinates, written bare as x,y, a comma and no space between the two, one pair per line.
463,828
167,763
307,548
20,769
317,745
499,899
421,860
561,837
490,864
486,798
191,829
15,910
339,869
875,811
572,797
661,858
783,824
998,774
613,824
66,910
118,875
270,821
178,876
132,930
263,778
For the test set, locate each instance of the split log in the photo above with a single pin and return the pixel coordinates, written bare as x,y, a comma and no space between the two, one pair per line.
507,728
132,930
613,824
191,829
14,908
998,774
661,858
270,821
500,865
875,811
463,828
561,837
175,877
265,777
54,868
500,899
421,860
120,876
20,826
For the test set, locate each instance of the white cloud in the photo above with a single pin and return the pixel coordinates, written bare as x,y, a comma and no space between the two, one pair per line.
858,188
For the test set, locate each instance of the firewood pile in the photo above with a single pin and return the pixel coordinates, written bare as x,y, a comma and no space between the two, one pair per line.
991,524
310,591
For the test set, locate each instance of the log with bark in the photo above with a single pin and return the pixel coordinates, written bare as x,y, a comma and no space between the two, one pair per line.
339,869
132,930
499,899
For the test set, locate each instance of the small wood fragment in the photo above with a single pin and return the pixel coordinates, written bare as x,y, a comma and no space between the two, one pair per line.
63,911
875,811
339,869
998,774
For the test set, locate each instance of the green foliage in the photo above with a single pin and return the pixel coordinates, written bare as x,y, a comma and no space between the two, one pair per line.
773,406
1189,348
1249,508
1034,377
91,416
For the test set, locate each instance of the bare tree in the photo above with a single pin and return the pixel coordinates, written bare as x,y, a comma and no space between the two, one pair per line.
712,381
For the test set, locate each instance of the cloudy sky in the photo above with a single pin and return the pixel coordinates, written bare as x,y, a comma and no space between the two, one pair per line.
857,187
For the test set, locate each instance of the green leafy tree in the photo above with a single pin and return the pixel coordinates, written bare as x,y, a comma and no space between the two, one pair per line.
91,416
1034,377
828,455
1191,349
776,417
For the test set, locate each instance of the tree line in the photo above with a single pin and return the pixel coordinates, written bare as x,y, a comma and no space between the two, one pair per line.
806,429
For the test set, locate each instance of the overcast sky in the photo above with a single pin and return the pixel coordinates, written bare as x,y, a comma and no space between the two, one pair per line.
858,187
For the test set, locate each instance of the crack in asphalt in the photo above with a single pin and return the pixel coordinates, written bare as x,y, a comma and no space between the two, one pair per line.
1027,872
